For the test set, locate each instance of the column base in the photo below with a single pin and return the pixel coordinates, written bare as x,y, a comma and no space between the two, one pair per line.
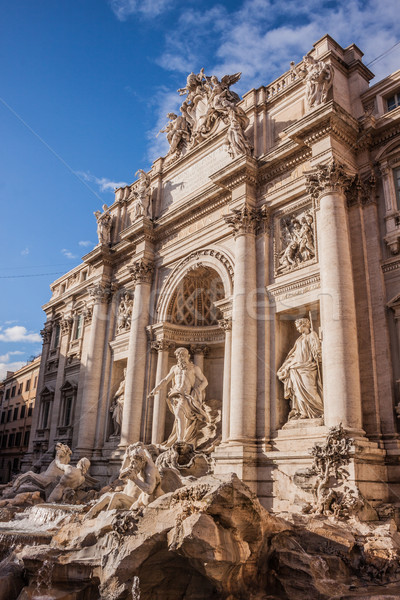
240,457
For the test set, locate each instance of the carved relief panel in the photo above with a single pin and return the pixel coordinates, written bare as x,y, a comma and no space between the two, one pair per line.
295,243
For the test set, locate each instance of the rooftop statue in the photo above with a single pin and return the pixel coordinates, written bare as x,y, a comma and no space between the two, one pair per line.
143,195
318,76
208,102
104,222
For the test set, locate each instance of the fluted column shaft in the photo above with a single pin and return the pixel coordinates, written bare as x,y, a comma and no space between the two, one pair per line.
160,402
242,426
94,362
341,374
137,355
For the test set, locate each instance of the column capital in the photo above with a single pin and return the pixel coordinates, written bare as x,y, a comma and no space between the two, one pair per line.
66,325
329,177
202,350
99,293
361,192
225,324
87,315
46,333
142,271
243,220
162,345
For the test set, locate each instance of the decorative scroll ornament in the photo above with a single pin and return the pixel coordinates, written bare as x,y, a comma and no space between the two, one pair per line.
330,177
99,293
142,271
208,102
243,220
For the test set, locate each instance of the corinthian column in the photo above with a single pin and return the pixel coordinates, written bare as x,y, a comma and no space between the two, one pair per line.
141,273
160,402
242,425
100,295
341,374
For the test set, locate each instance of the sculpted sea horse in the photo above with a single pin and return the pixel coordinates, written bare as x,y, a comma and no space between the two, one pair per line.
31,481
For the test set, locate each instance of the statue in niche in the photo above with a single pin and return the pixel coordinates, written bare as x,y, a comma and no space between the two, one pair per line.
178,133
143,195
117,407
104,222
124,313
319,77
71,480
300,374
142,483
193,421
298,238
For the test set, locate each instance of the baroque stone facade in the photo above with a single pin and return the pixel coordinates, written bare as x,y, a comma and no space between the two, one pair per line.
280,207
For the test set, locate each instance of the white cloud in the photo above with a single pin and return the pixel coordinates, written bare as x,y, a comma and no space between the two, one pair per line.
67,253
147,8
85,243
18,333
9,366
25,252
104,183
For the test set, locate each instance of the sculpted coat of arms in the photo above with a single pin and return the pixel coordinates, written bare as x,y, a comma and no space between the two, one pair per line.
208,102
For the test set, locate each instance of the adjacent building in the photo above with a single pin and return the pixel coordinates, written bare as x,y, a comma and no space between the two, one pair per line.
18,395
279,206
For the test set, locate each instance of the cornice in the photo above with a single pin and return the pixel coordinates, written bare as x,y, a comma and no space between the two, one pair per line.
141,230
242,170
276,166
393,265
100,255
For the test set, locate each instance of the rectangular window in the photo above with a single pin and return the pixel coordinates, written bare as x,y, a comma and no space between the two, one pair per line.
4,441
67,411
78,327
35,383
18,437
20,389
7,393
393,102
30,410
26,437
46,410
9,413
16,464
396,175
23,409
3,417
56,335
27,385
11,439
15,415
13,390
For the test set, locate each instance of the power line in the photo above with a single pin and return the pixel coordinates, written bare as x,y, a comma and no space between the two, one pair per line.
383,54
31,275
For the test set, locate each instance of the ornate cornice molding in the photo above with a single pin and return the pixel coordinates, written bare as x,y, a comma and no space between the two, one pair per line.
142,271
327,178
295,288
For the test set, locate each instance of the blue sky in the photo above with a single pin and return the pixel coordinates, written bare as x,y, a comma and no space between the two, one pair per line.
86,84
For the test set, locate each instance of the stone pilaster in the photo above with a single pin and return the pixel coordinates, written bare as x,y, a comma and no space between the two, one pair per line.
341,374
100,295
162,348
141,273
199,353
226,325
